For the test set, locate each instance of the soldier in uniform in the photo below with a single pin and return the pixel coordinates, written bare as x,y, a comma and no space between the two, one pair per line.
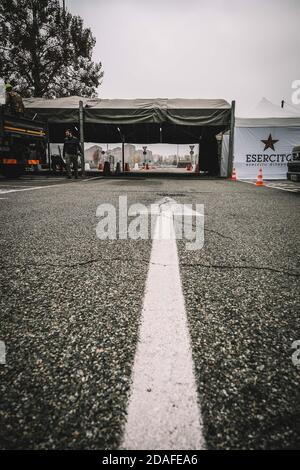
70,153
13,101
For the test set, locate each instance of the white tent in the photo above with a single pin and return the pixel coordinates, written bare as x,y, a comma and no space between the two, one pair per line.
265,139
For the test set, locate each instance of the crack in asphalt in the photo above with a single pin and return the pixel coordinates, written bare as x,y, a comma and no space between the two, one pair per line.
217,233
200,265
74,265
226,266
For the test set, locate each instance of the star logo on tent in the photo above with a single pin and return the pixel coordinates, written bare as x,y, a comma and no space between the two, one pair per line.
269,143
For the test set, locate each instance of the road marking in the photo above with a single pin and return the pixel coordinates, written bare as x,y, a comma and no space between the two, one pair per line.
280,186
9,185
6,191
92,178
25,188
163,411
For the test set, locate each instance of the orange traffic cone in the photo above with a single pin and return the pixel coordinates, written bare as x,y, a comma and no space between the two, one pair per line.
233,177
259,181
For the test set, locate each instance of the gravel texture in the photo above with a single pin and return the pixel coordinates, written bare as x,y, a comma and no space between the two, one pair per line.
242,299
70,308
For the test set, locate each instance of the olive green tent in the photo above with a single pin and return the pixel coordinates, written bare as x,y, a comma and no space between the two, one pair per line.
138,120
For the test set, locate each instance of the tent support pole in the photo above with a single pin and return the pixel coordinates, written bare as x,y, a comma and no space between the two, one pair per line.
48,145
123,154
231,140
81,127
2,120
199,148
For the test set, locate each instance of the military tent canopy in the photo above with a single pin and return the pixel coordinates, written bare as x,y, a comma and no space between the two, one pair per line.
139,120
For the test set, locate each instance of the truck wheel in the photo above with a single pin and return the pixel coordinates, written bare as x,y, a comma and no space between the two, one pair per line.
14,171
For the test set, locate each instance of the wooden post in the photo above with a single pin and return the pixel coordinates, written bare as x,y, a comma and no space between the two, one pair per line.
81,127
231,140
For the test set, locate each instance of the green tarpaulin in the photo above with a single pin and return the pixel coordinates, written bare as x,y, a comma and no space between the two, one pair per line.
138,121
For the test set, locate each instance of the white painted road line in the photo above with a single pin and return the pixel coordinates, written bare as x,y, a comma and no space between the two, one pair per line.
163,410
4,186
92,178
281,186
6,191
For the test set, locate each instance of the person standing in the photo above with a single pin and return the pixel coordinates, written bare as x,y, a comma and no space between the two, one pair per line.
70,153
13,101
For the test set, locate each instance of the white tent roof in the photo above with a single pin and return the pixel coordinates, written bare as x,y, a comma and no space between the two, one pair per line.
268,114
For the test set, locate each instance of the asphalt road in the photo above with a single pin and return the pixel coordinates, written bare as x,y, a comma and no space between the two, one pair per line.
71,304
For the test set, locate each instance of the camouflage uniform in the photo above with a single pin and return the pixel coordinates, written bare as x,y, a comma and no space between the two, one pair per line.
14,103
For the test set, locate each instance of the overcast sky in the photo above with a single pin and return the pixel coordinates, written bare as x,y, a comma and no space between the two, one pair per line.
231,49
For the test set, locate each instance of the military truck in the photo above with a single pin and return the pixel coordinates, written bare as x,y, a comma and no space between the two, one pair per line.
293,173
22,144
